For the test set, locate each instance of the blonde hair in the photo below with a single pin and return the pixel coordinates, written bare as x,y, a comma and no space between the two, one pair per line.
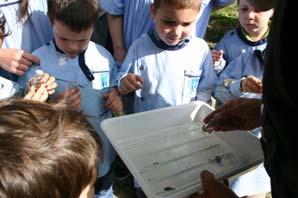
179,4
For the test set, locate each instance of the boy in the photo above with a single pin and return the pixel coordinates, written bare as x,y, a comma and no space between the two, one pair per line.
46,151
126,24
167,66
251,35
76,61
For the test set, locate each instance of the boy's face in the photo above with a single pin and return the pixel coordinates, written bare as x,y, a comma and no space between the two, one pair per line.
253,21
173,25
69,41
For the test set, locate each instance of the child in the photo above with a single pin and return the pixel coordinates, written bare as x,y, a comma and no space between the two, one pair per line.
46,151
167,66
127,20
83,71
243,78
251,35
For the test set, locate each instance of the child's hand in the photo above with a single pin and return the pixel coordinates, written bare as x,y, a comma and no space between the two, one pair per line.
39,95
113,101
216,55
130,83
252,84
50,83
71,97
16,61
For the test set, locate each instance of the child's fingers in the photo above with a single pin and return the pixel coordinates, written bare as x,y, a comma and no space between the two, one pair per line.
51,86
114,105
74,99
140,81
127,86
45,77
251,86
38,95
30,93
109,99
113,102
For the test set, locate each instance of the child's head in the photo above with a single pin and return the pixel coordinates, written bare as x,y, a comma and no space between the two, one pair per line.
253,21
46,151
72,22
174,19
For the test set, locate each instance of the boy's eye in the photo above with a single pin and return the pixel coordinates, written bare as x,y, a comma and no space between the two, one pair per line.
243,9
169,22
186,24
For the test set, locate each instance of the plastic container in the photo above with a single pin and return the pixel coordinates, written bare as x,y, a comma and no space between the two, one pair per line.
166,149
36,80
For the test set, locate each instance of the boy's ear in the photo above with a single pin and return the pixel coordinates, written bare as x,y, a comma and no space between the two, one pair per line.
152,10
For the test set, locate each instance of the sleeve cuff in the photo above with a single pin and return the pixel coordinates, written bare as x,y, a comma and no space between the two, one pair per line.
235,88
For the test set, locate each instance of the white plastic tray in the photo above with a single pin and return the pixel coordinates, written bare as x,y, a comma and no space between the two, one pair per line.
165,149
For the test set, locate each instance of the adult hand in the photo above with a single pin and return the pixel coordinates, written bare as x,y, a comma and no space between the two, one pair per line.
213,188
16,61
130,83
237,114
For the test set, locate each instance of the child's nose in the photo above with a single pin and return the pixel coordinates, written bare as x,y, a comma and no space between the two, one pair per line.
75,46
251,15
177,30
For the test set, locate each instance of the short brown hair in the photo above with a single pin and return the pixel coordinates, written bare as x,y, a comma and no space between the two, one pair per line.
179,4
45,150
78,15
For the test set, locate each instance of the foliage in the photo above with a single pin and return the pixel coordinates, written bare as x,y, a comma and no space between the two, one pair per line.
220,22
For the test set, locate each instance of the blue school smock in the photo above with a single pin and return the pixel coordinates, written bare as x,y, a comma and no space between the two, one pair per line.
136,17
234,43
68,72
8,88
171,77
228,83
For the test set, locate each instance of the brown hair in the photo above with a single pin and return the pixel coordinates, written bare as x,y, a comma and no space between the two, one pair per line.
3,31
179,4
45,150
78,15
23,9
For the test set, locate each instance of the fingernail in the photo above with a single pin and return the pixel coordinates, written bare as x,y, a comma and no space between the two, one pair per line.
207,175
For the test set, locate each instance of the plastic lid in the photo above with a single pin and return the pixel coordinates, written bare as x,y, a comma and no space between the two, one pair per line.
39,72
